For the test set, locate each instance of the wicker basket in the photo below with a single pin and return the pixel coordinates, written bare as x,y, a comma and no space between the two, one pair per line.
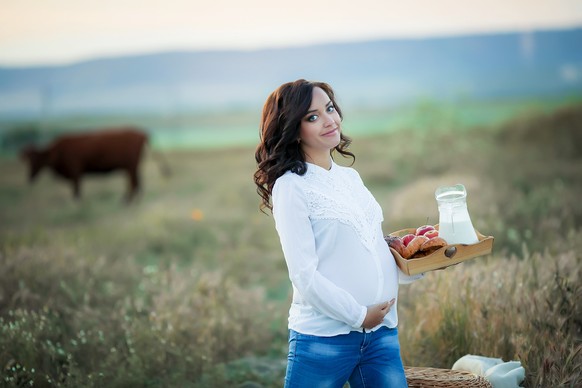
435,377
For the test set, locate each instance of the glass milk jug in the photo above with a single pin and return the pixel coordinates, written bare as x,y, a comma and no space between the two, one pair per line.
454,222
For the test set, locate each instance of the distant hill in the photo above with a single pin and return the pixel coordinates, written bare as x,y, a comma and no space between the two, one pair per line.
383,72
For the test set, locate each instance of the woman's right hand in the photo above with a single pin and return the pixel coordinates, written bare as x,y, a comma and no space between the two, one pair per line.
376,314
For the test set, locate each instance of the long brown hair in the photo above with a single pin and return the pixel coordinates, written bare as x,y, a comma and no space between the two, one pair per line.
278,150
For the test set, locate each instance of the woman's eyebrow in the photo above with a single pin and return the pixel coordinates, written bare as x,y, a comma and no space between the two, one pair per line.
315,110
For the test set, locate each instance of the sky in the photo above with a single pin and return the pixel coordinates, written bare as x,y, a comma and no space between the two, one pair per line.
44,32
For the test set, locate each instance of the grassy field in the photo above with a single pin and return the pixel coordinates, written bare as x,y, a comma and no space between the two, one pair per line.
191,130
188,286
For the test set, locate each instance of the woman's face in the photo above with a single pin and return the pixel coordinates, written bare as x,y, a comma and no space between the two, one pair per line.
320,127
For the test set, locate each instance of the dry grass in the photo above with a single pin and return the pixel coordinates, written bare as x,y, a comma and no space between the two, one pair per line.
523,308
188,287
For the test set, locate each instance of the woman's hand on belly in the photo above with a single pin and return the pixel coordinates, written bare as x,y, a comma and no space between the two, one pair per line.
376,314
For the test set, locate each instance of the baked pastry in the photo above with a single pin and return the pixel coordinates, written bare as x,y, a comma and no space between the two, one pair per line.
414,246
396,243
433,244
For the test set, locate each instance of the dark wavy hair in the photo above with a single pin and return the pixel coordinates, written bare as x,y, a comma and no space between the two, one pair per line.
278,150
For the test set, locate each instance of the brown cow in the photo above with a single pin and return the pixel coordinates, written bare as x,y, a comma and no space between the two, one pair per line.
73,155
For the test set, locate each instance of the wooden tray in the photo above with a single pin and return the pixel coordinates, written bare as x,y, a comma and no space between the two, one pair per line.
445,256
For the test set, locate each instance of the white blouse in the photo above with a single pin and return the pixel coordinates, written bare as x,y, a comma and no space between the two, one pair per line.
330,227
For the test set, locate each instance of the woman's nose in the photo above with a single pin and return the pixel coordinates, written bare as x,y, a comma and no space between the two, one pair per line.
329,120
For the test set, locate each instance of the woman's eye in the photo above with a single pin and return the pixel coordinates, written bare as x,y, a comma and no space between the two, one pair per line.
330,108
312,118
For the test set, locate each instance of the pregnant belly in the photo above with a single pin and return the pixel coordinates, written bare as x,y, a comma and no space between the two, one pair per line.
358,277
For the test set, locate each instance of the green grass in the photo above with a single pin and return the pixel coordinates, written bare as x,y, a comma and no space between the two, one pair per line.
239,127
188,286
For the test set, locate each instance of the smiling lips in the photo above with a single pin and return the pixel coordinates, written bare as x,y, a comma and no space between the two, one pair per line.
330,133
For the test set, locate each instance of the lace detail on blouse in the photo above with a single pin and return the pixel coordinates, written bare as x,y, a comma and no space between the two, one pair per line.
340,195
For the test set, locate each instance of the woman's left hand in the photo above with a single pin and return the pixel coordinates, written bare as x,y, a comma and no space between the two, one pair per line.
376,314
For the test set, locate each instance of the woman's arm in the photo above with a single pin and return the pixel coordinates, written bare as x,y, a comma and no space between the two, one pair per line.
298,243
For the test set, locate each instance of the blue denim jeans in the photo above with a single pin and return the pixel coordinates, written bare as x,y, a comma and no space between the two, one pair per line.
368,359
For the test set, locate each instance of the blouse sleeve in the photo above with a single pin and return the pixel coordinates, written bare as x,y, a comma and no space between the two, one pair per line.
298,243
407,279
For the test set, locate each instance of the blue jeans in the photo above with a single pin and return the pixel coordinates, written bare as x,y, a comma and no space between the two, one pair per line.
369,360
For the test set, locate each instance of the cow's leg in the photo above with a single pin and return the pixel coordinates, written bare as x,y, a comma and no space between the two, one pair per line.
134,183
72,172
76,182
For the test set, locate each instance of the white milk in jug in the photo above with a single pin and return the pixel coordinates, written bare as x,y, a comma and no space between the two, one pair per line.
455,225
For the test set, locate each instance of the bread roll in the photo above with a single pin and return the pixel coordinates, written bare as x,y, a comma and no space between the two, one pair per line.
431,244
395,243
414,246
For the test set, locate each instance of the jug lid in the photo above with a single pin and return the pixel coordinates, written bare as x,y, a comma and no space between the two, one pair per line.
450,193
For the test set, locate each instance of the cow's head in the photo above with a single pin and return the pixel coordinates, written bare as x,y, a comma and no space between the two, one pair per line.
36,160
